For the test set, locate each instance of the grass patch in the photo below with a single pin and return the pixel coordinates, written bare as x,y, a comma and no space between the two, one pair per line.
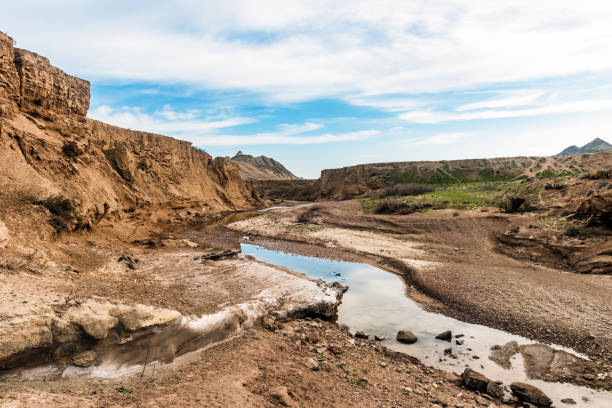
124,390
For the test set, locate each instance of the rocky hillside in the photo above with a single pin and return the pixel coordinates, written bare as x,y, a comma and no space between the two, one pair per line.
82,170
353,181
596,145
261,168
357,180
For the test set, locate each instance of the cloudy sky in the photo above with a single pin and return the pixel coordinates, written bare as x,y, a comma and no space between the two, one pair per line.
321,84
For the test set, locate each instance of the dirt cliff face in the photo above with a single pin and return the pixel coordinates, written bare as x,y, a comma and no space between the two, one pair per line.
84,170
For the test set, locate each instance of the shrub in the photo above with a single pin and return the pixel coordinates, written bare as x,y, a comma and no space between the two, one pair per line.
409,189
513,204
392,206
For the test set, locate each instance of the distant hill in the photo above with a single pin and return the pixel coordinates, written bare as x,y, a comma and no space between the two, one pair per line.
261,168
596,145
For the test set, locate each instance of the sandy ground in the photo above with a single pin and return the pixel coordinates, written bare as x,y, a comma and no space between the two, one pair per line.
453,260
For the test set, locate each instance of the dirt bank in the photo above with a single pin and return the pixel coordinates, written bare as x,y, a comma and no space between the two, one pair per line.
303,364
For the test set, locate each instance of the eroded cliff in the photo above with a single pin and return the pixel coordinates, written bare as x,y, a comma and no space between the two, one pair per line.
49,150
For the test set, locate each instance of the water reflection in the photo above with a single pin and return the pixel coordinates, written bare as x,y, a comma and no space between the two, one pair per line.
376,303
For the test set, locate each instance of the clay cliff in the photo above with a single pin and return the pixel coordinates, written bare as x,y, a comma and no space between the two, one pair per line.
83,170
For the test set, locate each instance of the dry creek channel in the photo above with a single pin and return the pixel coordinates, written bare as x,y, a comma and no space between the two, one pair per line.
376,304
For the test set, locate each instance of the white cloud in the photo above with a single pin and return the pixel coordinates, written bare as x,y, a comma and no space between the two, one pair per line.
207,132
294,50
438,139
281,138
512,99
166,121
431,117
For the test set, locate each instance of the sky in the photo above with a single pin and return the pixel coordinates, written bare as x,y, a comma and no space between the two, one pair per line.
326,84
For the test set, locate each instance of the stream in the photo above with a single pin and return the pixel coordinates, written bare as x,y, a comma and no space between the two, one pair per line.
376,303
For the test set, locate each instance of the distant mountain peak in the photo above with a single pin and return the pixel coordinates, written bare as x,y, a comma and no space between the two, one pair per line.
594,146
261,168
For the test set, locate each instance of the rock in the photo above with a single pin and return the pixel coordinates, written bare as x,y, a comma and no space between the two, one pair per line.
281,395
529,393
448,351
270,323
568,401
361,335
97,326
475,380
19,338
85,359
458,336
311,363
446,336
406,337
137,317
383,364
335,349
501,354
379,337
495,390
459,342
542,362
312,336
4,235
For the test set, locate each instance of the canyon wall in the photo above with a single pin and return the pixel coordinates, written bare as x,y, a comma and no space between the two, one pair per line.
50,149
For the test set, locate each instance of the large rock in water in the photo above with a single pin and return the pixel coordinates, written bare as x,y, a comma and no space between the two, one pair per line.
446,336
406,337
529,393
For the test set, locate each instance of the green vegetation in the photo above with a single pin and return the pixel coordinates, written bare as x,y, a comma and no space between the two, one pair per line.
124,390
551,173
444,176
467,196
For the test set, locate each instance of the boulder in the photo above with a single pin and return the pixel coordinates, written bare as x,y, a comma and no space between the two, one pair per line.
4,235
495,390
97,326
475,380
137,317
529,393
406,337
501,354
446,336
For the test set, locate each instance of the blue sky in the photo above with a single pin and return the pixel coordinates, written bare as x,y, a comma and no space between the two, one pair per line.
321,84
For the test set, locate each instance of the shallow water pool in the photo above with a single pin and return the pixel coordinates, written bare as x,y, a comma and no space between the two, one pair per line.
376,303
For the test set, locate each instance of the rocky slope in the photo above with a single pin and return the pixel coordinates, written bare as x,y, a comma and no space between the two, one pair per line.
261,168
596,145
49,150
353,181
